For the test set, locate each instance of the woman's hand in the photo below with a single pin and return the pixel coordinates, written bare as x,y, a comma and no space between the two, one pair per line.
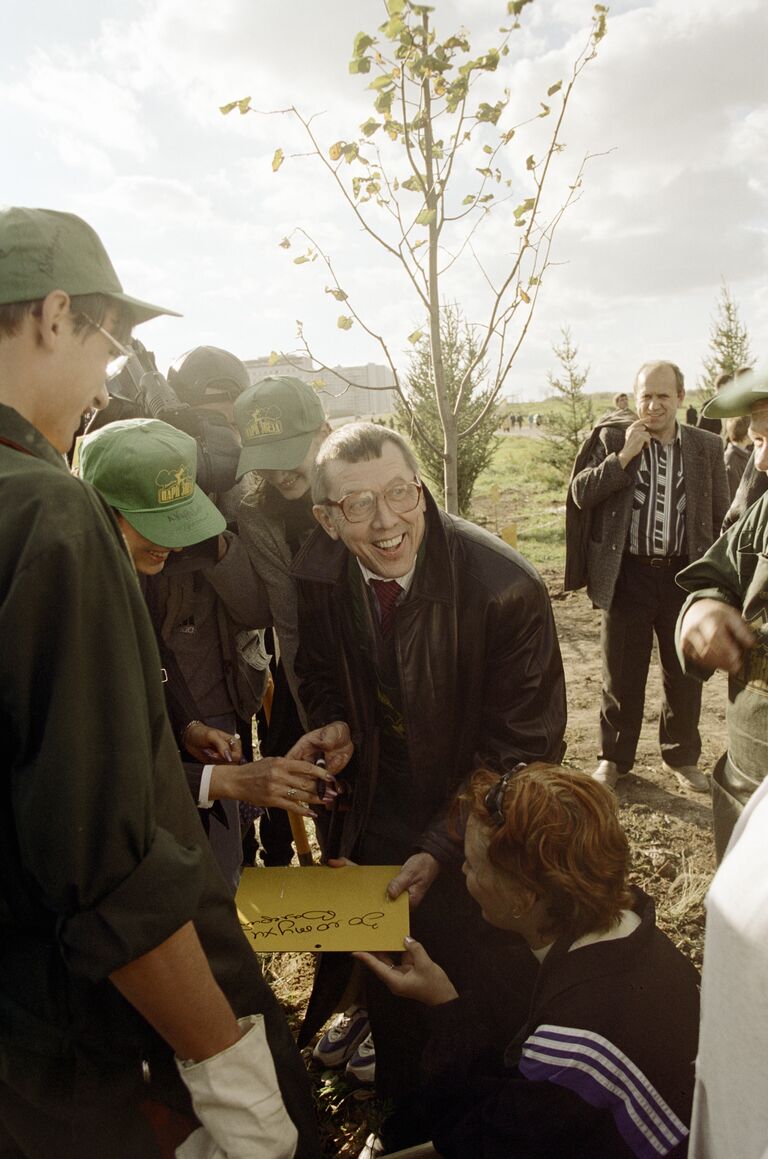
416,976
206,744
274,782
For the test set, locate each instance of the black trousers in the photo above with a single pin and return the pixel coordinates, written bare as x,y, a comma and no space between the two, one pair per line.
646,601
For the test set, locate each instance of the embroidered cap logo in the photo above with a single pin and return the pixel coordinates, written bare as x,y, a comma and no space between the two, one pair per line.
174,485
264,422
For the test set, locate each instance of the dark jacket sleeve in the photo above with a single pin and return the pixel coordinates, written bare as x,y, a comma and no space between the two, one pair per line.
721,495
524,708
604,475
317,662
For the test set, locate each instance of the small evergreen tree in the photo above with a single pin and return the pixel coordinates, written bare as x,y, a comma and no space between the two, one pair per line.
728,343
570,422
475,451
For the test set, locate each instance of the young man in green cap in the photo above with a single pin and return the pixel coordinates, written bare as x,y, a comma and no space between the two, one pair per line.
119,946
723,623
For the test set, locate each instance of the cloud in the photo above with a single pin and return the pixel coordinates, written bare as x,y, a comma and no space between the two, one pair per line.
81,107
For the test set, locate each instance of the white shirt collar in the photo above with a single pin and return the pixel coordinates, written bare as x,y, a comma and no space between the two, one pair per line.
404,580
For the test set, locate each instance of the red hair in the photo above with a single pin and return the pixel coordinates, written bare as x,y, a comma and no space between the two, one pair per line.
561,840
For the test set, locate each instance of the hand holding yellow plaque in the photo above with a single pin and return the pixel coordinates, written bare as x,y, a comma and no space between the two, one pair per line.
319,908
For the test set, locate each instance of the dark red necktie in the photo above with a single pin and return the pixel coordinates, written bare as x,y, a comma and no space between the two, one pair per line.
387,592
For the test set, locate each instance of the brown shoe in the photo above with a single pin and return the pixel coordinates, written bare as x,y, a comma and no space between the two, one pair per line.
689,776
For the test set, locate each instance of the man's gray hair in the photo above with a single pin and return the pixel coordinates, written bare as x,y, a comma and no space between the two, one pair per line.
355,443
647,367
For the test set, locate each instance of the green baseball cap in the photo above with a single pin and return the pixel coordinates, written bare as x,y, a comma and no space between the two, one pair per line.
277,419
146,469
748,388
43,250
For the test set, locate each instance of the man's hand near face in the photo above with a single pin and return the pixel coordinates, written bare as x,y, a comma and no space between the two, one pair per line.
635,439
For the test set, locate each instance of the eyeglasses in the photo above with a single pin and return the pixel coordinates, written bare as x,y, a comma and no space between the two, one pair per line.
494,798
120,349
359,506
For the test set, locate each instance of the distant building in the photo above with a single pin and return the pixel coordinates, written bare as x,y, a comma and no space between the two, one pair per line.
372,393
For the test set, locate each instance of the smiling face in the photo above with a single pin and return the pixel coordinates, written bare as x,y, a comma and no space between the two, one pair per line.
294,483
148,558
387,543
658,398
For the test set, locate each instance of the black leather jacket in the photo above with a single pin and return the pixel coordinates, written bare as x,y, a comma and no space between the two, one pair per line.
478,662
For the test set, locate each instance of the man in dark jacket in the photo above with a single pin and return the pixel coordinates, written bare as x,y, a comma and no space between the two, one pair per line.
435,643
119,944
656,495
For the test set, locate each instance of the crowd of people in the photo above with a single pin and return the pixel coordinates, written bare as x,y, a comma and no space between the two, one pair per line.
242,560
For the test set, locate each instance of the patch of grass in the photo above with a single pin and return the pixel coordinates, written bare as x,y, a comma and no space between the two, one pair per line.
529,495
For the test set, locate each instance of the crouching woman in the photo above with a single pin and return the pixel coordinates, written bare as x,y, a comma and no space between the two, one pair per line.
603,1065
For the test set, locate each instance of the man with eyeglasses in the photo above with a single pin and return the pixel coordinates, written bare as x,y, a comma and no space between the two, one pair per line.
434,641
119,944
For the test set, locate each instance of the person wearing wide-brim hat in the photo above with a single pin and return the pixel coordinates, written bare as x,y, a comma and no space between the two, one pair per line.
747,389
145,469
722,624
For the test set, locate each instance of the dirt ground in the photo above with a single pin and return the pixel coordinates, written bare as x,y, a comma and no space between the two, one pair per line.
669,829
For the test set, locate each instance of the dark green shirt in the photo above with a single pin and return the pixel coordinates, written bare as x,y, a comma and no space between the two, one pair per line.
102,856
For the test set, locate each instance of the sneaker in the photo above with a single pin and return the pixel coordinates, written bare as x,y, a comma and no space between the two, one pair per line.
607,774
338,1043
362,1065
373,1147
689,776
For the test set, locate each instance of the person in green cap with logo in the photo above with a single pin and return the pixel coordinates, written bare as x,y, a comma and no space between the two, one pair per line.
120,945
145,469
282,425
724,622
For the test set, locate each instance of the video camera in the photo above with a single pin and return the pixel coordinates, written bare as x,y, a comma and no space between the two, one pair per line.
138,390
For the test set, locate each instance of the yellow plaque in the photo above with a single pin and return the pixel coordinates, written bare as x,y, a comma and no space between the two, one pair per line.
318,908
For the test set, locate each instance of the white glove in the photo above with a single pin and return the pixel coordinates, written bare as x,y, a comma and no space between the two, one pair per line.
237,1099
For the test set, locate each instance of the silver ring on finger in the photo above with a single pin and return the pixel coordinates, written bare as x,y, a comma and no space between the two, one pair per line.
292,794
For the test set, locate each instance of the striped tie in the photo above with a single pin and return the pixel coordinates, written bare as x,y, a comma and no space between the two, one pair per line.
387,592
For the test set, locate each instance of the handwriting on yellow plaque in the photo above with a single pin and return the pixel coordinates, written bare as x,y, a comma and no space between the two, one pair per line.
318,908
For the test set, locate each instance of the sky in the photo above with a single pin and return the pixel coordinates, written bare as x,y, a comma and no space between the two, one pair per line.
111,111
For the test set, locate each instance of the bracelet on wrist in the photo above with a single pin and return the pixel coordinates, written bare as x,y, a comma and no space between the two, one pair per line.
185,730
